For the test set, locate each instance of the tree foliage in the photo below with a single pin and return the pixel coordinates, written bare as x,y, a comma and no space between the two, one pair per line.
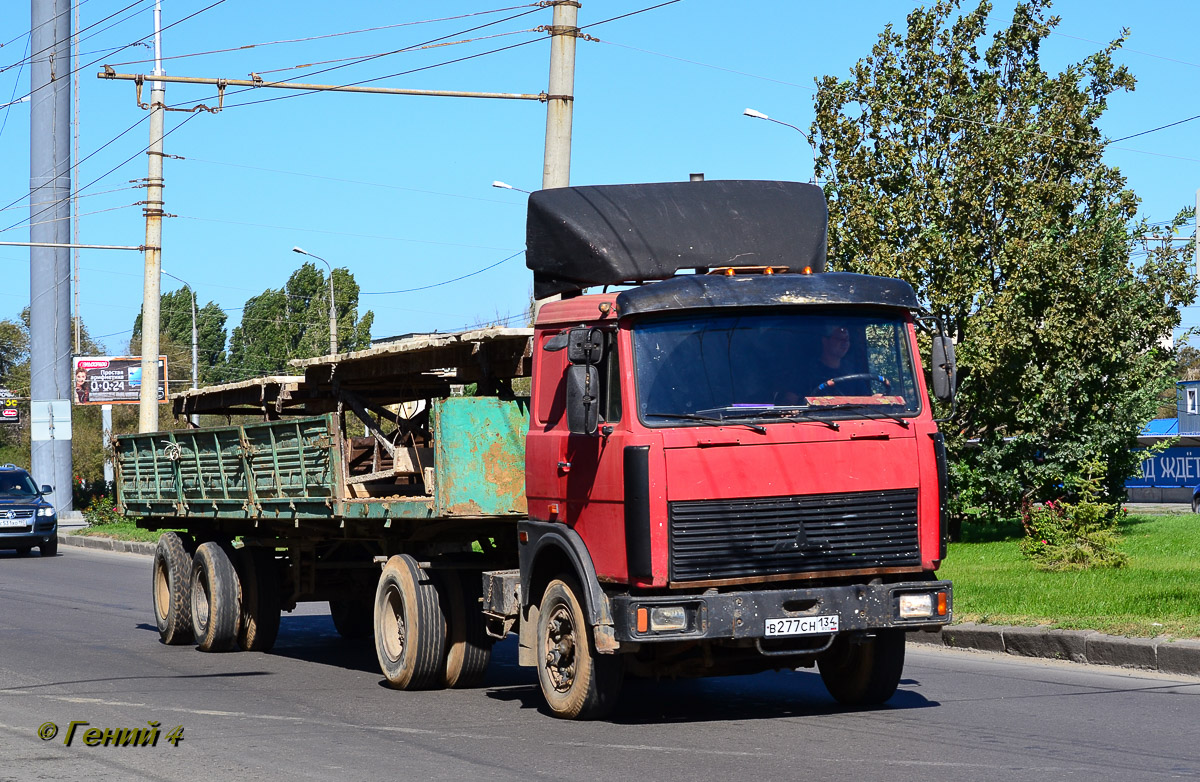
175,336
953,160
293,322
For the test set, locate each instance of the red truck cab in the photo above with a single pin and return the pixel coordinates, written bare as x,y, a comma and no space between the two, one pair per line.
737,470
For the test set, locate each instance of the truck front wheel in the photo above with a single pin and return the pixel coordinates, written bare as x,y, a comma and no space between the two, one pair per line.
577,682
410,629
172,590
866,671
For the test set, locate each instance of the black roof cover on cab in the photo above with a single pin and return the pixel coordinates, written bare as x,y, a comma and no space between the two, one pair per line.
577,237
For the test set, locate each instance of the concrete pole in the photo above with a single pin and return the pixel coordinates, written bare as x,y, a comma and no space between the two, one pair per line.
332,318
556,171
50,268
105,441
75,169
148,398
1196,236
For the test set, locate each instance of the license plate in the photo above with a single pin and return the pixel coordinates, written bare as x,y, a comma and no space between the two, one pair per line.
803,625
13,522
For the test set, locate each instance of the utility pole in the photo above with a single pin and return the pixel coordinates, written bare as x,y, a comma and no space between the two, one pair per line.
75,168
148,398
556,171
50,266
332,311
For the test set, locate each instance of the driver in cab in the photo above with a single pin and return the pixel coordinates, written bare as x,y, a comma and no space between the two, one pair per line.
831,366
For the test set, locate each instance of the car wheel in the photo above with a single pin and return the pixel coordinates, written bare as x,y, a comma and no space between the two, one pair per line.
50,547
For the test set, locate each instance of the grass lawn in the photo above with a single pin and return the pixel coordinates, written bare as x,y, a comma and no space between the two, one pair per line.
122,530
1156,593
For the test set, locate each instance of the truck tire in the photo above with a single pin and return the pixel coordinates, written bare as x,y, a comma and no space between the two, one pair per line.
258,625
353,616
866,673
576,682
216,603
468,646
171,590
410,629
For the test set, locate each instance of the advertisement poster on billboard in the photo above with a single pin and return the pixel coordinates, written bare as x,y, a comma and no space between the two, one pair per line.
9,412
113,380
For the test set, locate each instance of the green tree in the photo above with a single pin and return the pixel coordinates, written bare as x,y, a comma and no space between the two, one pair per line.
293,322
958,164
175,332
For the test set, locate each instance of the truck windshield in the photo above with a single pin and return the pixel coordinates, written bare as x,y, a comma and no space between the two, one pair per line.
774,367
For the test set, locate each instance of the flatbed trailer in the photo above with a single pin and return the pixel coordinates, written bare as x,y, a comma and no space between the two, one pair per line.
727,471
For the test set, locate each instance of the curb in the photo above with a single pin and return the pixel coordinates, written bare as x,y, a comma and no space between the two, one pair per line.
107,544
1162,654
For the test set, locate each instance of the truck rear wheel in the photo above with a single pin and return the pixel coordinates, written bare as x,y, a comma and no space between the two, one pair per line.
215,599
410,629
577,682
258,626
468,646
172,590
864,673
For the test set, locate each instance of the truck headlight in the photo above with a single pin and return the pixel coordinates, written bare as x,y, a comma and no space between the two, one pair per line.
45,511
916,606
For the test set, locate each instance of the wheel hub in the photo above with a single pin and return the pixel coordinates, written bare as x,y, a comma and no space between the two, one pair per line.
560,649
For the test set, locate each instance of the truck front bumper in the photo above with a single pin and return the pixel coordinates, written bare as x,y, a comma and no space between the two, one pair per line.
811,612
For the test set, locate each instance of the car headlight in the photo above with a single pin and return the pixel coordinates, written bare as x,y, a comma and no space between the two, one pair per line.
45,511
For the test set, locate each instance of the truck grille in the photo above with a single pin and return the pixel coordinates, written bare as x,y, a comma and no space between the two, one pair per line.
722,539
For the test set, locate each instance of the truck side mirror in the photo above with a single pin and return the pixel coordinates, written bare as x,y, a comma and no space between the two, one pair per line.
583,399
585,346
945,373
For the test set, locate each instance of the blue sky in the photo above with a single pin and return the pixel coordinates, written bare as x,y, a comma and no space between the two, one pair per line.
398,189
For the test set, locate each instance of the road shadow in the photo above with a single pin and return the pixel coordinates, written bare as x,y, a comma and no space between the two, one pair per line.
313,638
759,696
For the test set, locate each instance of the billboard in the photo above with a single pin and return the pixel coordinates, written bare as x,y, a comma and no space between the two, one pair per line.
1174,467
112,380
9,412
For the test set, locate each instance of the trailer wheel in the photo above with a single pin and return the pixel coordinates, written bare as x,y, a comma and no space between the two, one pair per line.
577,682
258,626
468,646
865,673
353,616
172,590
410,629
215,599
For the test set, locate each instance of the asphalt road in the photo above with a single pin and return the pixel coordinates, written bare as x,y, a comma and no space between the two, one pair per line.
77,643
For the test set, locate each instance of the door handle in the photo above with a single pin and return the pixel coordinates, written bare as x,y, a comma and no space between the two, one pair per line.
564,466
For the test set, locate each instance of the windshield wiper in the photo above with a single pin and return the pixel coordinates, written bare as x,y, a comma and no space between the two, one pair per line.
880,416
710,420
802,413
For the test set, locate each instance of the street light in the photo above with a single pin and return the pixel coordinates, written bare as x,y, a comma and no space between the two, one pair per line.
194,417
332,312
807,137
507,186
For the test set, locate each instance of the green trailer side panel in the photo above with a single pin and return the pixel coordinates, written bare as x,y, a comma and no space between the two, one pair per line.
480,451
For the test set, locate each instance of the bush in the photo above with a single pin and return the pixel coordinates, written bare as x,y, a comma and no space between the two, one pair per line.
102,511
1074,535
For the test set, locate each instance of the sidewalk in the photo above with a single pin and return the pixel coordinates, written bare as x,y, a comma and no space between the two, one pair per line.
1082,646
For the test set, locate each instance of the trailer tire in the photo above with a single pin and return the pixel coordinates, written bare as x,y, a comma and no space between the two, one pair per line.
258,626
216,599
353,616
576,681
468,646
171,590
410,628
866,673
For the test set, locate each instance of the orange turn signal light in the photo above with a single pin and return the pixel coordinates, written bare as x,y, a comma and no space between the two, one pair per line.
806,270
941,603
643,620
